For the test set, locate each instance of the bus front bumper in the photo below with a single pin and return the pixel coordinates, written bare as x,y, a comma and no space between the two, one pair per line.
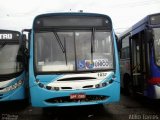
41,97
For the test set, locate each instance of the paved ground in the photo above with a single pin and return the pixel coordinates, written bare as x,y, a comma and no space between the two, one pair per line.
133,108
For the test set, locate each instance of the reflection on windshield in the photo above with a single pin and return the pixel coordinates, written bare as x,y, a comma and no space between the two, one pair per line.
77,47
49,54
8,59
157,45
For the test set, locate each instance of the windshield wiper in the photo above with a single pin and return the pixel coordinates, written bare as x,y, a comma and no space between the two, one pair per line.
92,43
92,40
59,42
63,48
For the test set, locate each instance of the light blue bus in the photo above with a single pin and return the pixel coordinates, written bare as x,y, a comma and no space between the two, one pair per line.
73,60
12,70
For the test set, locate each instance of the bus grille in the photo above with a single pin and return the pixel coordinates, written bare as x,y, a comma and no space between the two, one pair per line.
66,99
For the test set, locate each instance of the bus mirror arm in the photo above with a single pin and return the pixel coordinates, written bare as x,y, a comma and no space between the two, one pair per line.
26,53
26,58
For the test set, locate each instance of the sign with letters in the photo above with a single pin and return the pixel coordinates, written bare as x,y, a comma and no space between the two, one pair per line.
94,64
6,36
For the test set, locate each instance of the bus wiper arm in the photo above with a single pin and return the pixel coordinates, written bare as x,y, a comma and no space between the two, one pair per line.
59,42
92,40
63,48
92,43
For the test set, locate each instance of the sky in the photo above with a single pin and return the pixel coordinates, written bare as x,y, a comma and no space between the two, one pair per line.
19,14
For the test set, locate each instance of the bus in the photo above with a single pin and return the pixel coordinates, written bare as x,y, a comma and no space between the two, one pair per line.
73,60
140,57
12,70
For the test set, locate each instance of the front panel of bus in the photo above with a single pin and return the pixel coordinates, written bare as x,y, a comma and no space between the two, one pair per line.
73,61
11,67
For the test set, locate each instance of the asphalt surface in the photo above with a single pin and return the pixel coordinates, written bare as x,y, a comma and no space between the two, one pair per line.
129,108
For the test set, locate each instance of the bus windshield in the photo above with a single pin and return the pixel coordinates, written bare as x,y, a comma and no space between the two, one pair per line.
8,59
157,45
73,51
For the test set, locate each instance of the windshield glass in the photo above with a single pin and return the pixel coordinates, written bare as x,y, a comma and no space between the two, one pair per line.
157,45
73,51
8,59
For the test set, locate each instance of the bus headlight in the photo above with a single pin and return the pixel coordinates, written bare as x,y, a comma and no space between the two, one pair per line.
14,86
41,85
97,86
104,84
19,83
48,87
101,85
56,88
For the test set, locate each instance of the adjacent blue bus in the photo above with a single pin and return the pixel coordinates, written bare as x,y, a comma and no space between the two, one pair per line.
140,57
12,70
73,60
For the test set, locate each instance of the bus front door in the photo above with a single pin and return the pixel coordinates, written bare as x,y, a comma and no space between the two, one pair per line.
138,63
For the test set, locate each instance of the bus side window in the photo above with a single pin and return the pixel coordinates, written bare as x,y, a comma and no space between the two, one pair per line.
125,48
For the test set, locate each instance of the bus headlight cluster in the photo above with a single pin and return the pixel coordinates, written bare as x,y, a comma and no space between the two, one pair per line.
104,84
14,86
58,88
47,87
52,88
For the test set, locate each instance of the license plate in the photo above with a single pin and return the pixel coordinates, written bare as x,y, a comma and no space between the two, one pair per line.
78,96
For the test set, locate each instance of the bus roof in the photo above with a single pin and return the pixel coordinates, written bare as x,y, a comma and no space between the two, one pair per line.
71,14
140,25
75,19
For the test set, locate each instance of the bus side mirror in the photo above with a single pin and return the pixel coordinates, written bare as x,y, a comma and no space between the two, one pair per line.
149,36
19,58
26,53
23,37
25,49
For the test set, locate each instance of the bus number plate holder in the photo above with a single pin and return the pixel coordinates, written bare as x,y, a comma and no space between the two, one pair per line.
78,96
